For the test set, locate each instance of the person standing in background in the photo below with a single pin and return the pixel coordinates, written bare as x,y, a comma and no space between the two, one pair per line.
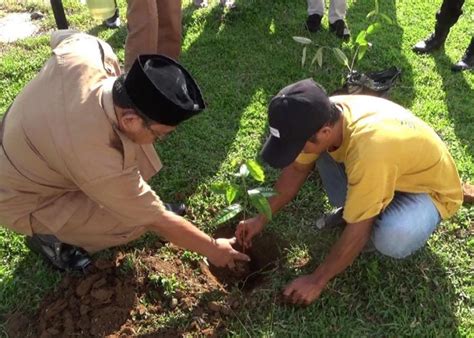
154,27
446,17
337,13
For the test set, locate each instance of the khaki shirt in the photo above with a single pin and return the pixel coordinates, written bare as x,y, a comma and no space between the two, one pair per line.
62,148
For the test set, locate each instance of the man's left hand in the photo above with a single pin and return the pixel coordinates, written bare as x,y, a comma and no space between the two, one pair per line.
303,290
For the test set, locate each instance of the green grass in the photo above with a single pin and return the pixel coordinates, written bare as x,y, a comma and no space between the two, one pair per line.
240,60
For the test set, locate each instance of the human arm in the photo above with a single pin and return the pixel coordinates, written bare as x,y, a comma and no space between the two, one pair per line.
183,233
305,289
287,186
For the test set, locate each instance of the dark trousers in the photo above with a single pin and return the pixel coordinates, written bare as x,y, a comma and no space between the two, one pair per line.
449,13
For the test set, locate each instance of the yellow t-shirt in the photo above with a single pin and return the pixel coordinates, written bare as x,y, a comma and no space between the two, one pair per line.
385,149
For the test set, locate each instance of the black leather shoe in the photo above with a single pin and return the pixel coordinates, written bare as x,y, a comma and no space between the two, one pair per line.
313,22
340,29
114,21
467,61
178,208
61,256
433,42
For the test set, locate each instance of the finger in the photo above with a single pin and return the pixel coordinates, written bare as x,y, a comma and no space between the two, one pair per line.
240,256
232,240
288,291
249,241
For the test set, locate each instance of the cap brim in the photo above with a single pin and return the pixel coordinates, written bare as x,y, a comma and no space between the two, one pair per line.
279,154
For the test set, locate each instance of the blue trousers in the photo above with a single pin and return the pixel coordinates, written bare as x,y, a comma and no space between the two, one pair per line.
402,228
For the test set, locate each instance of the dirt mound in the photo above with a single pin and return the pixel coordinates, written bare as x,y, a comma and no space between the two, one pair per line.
142,293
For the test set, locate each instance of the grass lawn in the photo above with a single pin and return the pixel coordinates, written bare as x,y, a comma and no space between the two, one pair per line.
241,59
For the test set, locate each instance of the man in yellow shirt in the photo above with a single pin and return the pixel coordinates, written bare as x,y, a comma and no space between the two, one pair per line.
387,170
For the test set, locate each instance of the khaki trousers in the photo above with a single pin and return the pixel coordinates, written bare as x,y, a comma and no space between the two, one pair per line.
154,27
91,227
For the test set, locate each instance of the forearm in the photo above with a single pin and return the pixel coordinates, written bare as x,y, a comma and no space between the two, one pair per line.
353,239
183,233
287,186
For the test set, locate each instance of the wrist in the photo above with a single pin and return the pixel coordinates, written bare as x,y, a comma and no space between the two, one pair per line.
261,221
319,280
210,249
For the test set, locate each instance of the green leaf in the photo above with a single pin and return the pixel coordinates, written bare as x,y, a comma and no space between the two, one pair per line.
303,57
231,193
302,40
361,52
256,171
374,28
318,57
228,213
341,57
260,203
266,192
361,38
386,18
370,14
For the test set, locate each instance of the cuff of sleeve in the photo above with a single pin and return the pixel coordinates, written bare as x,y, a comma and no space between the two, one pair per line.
306,158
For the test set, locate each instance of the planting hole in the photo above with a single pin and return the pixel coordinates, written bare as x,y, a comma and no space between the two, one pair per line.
266,254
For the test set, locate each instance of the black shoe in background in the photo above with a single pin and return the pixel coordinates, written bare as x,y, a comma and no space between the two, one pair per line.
178,208
114,21
467,61
431,43
313,22
340,29
61,256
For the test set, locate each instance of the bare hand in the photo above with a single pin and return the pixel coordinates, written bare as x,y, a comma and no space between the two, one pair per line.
303,290
225,255
248,229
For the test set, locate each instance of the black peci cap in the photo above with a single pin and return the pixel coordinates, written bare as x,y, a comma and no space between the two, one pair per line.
162,89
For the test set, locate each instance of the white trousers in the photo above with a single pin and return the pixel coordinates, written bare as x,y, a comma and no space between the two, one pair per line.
337,9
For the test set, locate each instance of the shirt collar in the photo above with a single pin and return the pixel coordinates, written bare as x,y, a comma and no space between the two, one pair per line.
107,102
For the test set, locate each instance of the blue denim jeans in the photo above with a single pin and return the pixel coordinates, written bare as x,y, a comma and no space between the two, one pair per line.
402,228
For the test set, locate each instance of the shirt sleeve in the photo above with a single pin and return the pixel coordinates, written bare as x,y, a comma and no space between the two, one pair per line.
127,197
371,187
306,158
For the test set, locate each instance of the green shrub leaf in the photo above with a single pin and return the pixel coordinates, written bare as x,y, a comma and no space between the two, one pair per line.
260,203
340,56
231,193
361,38
361,52
302,40
386,18
266,192
228,213
318,57
256,171
374,28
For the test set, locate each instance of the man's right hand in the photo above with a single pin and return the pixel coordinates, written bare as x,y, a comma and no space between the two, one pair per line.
225,255
248,229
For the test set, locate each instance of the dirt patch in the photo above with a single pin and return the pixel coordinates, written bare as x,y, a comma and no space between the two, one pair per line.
147,293
266,255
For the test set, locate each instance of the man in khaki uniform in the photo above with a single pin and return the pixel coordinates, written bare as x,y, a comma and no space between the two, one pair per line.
154,27
77,149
